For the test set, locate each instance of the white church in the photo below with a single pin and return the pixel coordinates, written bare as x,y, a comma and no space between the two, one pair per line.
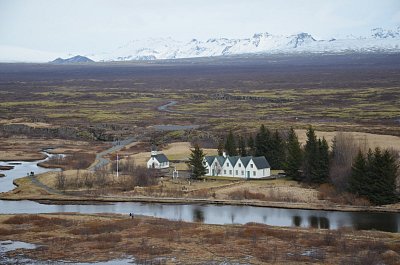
157,160
235,166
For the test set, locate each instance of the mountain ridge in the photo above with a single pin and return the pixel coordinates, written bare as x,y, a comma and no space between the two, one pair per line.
380,40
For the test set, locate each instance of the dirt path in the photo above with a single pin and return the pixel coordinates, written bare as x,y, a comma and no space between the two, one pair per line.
101,161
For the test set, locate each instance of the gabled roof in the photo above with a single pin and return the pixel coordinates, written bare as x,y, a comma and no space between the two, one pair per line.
233,160
261,162
161,158
221,160
209,159
245,160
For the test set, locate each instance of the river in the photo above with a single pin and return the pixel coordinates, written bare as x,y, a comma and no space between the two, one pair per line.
208,213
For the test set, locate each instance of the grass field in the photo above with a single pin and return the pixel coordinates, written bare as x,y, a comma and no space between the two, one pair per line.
338,92
89,238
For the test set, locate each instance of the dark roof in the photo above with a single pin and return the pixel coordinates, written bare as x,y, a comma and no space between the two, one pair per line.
221,160
233,160
209,159
246,160
261,162
161,158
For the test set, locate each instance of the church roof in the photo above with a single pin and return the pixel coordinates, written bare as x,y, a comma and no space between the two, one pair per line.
161,158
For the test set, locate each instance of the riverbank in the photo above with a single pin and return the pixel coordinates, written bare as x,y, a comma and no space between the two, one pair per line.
100,237
26,190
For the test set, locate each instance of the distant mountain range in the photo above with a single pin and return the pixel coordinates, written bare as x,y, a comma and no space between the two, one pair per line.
380,40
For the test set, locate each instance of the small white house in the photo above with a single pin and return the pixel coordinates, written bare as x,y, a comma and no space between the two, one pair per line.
157,160
235,166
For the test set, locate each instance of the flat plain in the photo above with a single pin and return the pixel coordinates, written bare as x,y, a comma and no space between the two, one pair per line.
331,92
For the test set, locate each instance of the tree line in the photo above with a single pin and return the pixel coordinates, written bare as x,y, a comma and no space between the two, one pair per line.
372,175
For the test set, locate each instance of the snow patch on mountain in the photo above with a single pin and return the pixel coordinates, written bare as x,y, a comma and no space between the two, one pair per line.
379,40
261,43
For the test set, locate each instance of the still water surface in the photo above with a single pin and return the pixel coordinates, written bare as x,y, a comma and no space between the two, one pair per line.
211,214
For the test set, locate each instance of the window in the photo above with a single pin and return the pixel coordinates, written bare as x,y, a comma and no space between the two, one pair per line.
242,172
237,172
225,171
227,164
251,165
240,165
230,172
254,173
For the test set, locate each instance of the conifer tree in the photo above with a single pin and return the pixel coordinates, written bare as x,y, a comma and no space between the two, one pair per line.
251,146
323,161
196,162
220,147
294,158
358,170
263,141
230,145
276,153
242,146
311,156
374,177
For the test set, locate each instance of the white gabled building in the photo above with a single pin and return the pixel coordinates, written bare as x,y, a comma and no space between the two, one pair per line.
235,166
157,160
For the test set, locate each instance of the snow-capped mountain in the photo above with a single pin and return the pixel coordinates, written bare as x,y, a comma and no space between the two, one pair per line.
380,40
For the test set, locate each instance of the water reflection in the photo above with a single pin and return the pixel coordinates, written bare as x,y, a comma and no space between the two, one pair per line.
318,222
297,220
210,214
21,168
198,215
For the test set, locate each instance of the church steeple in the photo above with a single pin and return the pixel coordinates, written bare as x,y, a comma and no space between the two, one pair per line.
154,150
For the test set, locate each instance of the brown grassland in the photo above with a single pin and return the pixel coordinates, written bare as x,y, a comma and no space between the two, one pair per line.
89,238
79,109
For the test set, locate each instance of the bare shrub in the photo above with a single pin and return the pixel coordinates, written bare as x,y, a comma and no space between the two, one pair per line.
61,180
345,149
79,160
246,195
95,228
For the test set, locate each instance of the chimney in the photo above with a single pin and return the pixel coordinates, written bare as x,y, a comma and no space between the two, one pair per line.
224,154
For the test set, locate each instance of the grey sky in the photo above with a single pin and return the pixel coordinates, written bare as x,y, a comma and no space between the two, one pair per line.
96,25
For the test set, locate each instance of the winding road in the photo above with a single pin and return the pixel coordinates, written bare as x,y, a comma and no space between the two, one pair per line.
101,161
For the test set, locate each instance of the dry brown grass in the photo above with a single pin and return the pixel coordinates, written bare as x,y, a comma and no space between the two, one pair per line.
372,140
95,238
23,148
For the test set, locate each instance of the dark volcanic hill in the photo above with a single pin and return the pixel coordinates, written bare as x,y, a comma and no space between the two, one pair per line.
73,60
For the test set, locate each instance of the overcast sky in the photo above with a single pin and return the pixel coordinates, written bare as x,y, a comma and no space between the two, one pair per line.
98,25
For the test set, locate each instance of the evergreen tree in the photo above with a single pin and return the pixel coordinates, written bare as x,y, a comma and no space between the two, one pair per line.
375,177
230,145
323,161
263,141
276,153
294,158
251,145
311,156
242,146
383,178
358,170
196,162
220,147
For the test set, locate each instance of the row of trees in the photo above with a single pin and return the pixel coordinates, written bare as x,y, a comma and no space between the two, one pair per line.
374,176
284,152
371,175
266,143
